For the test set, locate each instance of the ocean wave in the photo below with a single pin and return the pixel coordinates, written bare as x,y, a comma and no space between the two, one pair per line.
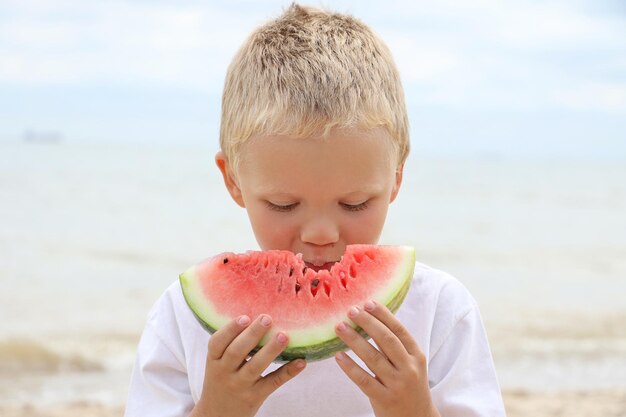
125,256
573,335
30,356
545,324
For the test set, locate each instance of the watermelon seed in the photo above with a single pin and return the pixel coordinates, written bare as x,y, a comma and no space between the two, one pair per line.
280,285
352,271
277,268
304,270
291,271
225,260
342,278
327,288
297,287
314,285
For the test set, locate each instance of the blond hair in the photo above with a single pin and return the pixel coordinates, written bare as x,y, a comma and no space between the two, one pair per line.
307,72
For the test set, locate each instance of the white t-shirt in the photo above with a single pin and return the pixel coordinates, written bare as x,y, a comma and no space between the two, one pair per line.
438,311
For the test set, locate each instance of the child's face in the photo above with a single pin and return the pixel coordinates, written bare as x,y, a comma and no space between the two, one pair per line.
315,196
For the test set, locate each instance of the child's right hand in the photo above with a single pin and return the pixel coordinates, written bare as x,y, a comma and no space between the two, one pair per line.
234,387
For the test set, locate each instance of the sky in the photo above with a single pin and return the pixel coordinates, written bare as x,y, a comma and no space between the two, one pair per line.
540,79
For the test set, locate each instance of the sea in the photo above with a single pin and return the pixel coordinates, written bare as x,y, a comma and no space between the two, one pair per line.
92,234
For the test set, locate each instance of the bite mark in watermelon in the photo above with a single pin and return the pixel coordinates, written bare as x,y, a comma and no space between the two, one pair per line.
303,303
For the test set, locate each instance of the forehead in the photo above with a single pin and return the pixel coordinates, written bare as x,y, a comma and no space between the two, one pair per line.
349,160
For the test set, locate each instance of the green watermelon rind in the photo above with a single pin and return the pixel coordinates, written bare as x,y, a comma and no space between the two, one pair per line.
325,350
306,349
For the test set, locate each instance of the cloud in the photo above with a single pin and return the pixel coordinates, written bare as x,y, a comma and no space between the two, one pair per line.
523,24
119,42
462,54
502,55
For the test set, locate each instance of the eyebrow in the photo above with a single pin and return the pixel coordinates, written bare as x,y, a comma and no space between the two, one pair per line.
370,189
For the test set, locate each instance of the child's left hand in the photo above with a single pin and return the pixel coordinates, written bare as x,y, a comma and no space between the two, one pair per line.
400,386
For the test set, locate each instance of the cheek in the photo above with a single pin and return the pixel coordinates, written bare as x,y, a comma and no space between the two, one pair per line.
272,230
367,226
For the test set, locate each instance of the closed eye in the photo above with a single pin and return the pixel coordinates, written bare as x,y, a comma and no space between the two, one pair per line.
354,207
277,207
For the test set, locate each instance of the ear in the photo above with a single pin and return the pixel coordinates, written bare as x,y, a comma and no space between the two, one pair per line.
229,178
396,186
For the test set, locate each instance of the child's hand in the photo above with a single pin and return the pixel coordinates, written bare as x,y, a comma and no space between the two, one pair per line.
233,387
400,388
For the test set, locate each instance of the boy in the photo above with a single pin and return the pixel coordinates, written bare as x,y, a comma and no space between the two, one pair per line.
314,137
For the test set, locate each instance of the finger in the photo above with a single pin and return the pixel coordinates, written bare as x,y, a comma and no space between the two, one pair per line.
272,381
384,337
221,339
239,349
263,358
366,383
386,317
371,356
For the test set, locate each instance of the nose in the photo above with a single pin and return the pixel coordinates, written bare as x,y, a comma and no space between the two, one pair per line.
320,232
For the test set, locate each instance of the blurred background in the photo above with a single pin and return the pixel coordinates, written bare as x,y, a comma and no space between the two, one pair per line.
516,184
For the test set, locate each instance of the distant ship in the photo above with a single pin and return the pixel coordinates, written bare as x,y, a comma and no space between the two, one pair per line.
32,136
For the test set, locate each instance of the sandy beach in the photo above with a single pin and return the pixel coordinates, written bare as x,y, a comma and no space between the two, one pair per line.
571,404
518,404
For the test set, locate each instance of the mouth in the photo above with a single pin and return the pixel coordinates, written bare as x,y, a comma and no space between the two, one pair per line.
318,266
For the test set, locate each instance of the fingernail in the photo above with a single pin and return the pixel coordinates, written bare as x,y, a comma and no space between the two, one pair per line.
340,356
353,311
282,339
243,320
266,321
341,326
369,306
300,364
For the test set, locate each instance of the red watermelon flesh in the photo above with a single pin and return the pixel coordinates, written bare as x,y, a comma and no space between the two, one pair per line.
303,303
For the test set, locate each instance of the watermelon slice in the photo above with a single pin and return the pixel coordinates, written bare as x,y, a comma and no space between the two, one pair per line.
303,303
